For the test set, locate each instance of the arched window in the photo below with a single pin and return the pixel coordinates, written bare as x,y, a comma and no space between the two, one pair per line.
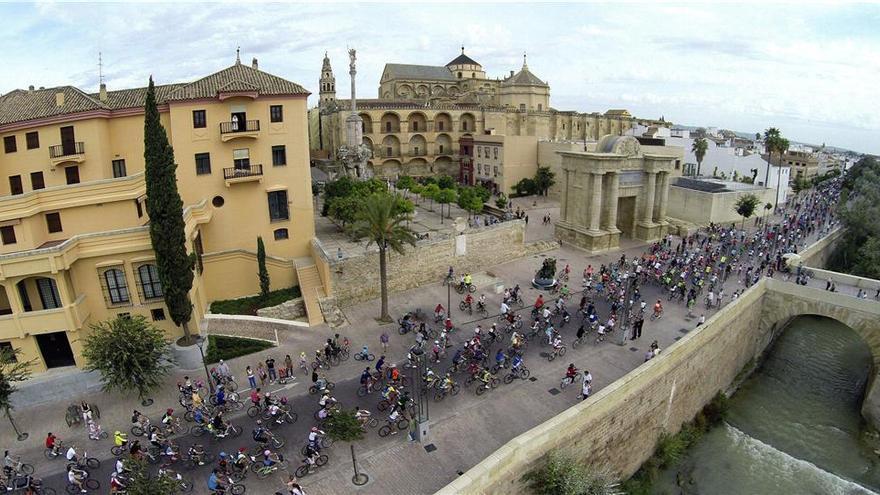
150,284
117,289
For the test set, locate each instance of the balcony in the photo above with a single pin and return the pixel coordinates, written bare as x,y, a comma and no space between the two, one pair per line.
71,317
69,153
249,173
235,130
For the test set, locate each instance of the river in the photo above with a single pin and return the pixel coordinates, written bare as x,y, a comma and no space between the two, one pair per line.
793,427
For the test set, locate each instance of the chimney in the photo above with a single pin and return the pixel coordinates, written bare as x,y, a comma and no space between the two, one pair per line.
59,99
31,88
42,87
102,93
511,73
254,63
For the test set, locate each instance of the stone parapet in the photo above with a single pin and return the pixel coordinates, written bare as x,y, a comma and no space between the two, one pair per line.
288,310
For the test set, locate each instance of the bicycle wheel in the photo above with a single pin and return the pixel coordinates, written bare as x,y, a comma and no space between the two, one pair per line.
456,388
494,382
237,489
331,385
481,389
438,396
315,365
334,360
362,391
462,306
472,288
373,422
562,351
234,431
551,356
325,364
371,357
291,417
313,390
96,411
71,488
49,455
253,411
277,442
384,431
92,484
103,435
26,469
231,385
302,471
92,463
321,460
117,450
189,416
525,373
197,430
185,486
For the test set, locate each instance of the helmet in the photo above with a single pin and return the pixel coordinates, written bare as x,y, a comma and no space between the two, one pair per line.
436,341
169,411
266,452
314,428
268,394
242,450
393,365
223,455
259,422
571,365
284,400
117,432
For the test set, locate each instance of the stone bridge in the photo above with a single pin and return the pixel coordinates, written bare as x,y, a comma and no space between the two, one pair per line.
618,427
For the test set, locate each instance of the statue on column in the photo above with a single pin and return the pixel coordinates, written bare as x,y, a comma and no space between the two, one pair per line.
354,154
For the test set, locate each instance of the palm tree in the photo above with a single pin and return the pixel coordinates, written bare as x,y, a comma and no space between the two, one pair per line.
781,146
699,148
771,135
380,224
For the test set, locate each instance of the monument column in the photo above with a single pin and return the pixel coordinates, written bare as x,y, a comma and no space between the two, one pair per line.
648,215
612,184
596,207
664,196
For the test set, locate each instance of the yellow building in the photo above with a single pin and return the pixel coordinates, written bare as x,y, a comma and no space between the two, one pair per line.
73,223
423,112
500,162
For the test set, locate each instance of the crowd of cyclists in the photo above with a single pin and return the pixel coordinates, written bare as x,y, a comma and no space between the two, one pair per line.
698,271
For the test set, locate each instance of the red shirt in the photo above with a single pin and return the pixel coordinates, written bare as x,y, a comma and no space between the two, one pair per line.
50,441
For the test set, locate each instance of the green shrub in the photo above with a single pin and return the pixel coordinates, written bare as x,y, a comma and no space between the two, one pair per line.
563,475
670,449
223,347
249,305
716,410
344,426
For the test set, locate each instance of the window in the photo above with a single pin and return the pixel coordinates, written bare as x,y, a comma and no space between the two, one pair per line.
415,126
7,346
9,144
199,120
279,155
118,168
48,293
464,126
479,150
53,222
388,151
139,208
158,314
440,150
218,201
33,140
459,75
37,181
473,75
7,234
540,107
440,125
117,289
416,151
15,186
495,152
203,163
387,127
150,284
278,206
522,107
276,113
72,174
495,170
281,234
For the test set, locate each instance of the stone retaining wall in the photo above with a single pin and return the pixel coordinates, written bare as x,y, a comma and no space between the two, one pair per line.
356,279
250,327
817,254
288,310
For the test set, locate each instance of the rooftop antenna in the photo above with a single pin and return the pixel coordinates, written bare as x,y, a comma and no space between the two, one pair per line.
238,55
100,69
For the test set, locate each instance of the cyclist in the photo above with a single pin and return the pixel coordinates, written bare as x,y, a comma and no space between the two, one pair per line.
367,379
260,433
53,443
197,452
484,376
448,325
196,399
116,484
447,383
516,363
320,383
216,482
271,458
312,455
468,280
439,312
402,401
138,419
457,358
500,358
658,309
481,303
219,425
315,436
505,308
72,454
571,372
394,373
564,292
362,415
468,300
156,438
581,331
168,417
77,477
557,344
220,396
239,464
255,397
539,302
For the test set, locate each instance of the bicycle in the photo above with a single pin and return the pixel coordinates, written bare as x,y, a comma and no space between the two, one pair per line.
73,416
483,387
322,363
462,287
556,352
21,467
442,392
568,380
88,484
263,471
313,389
274,441
305,468
386,429
465,306
364,357
521,373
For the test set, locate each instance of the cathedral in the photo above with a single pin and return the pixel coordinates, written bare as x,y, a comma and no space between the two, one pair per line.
426,117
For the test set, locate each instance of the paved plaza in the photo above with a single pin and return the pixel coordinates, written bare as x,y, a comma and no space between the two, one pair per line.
463,429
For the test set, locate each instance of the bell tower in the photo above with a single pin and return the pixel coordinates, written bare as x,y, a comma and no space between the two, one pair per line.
327,93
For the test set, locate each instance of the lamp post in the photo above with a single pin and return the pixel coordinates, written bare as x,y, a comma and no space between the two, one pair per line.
199,343
626,309
421,395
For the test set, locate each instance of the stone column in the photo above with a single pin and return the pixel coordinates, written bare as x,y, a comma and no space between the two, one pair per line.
596,207
650,186
664,196
613,184
563,208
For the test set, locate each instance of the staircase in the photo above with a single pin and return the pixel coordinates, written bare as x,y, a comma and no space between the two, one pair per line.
311,287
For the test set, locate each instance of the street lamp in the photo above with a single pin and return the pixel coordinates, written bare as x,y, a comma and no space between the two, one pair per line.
421,395
200,343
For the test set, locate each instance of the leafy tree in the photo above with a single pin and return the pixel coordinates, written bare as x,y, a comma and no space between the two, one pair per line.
417,190
745,206
482,193
130,353
430,192
378,223
563,475
262,271
501,201
165,208
344,426
859,207
11,371
525,187
768,206
699,148
140,482
445,197
341,187
544,180
446,182
406,183
344,209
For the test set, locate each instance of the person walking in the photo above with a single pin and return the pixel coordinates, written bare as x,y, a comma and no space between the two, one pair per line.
288,366
383,339
261,372
586,385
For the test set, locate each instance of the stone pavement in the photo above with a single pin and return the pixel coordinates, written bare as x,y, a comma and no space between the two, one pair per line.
464,429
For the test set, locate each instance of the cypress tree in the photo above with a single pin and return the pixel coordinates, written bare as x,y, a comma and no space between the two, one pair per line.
261,266
165,208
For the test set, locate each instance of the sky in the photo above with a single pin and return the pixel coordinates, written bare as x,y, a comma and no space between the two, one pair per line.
810,69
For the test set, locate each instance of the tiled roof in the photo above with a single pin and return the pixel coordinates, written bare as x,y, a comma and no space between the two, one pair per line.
523,78
133,98
238,77
463,60
418,72
19,104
